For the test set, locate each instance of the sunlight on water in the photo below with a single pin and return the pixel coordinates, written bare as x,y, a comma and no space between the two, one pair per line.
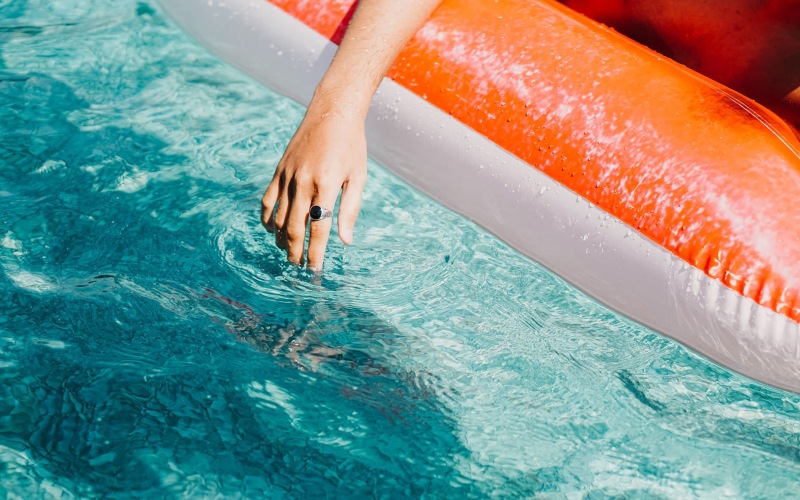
153,342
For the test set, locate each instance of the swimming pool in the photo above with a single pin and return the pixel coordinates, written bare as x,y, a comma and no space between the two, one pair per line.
154,342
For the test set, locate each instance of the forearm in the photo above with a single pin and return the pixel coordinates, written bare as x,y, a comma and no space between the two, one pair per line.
378,32
328,153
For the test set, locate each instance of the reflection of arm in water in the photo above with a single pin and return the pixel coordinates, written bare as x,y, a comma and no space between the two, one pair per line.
328,152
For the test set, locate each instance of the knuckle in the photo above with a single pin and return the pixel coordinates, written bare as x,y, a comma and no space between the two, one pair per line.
358,178
294,233
328,178
319,229
304,178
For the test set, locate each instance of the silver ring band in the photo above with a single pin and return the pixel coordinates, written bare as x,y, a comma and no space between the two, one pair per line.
319,213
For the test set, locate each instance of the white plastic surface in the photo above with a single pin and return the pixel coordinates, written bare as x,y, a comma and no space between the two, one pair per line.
466,172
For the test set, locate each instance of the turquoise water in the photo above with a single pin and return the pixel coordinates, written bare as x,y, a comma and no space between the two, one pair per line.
153,342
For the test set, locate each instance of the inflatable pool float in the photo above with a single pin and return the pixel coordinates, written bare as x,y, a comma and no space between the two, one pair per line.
662,194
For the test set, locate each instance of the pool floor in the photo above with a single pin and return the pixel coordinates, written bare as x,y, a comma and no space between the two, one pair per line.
154,342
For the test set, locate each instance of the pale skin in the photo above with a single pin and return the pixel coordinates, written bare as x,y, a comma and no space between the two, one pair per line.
328,153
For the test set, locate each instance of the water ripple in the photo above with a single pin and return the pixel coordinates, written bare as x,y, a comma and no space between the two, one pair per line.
154,342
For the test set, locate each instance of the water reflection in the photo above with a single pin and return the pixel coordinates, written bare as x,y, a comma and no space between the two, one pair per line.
153,341
128,373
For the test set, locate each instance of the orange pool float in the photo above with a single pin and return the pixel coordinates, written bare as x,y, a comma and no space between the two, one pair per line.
702,182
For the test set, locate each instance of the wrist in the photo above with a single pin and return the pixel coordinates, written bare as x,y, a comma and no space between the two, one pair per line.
343,97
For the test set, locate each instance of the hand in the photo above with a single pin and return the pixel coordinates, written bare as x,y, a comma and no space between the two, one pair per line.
328,153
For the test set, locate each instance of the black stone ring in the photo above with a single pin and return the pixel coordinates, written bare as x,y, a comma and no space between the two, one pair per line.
319,213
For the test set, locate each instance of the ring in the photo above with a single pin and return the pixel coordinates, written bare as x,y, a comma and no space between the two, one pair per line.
319,213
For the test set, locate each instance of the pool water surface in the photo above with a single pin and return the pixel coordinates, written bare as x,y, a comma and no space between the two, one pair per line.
154,342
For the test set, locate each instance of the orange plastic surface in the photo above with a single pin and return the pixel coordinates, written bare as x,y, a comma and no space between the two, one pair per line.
699,169
750,46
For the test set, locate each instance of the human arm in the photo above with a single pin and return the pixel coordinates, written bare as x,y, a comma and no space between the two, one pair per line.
328,152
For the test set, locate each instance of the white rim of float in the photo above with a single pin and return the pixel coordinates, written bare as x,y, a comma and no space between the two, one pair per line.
466,172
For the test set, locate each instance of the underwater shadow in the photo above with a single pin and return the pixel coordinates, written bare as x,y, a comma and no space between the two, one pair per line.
129,374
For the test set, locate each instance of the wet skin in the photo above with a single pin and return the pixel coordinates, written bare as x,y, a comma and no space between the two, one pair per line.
752,46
